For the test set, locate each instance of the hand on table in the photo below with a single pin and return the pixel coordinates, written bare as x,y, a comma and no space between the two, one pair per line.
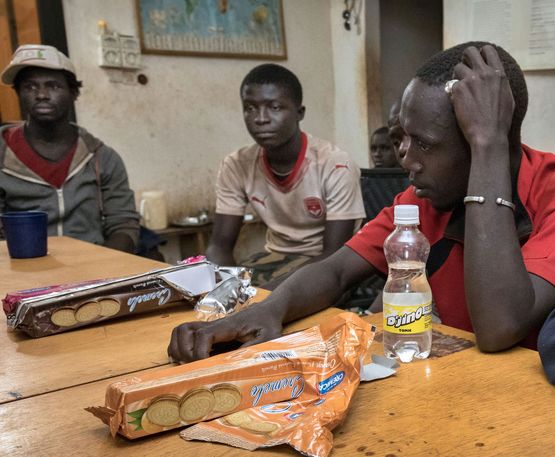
195,340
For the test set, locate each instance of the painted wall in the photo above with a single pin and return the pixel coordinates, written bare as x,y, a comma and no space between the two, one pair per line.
173,132
537,130
349,69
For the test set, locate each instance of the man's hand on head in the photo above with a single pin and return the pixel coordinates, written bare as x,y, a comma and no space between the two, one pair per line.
482,97
195,340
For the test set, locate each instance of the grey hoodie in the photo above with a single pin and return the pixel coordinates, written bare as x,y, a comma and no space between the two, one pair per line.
94,201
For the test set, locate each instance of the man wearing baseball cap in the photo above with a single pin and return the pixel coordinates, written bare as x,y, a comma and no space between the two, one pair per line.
48,163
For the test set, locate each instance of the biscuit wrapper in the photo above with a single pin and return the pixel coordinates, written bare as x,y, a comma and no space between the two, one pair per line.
295,366
232,294
54,309
305,423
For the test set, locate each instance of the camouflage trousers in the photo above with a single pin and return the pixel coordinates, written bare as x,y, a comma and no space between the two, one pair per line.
270,265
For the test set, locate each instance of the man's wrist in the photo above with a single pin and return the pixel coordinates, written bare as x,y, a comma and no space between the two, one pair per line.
489,146
121,241
272,309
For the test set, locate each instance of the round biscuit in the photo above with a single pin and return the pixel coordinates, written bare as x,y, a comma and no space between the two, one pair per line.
227,398
109,307
196,404
148,426
260,427
237,419
164,411
87,312
63,317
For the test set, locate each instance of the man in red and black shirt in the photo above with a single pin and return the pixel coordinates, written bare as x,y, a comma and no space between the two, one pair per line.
487,205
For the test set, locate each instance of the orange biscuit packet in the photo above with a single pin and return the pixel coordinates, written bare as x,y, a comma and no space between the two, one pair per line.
305,423
300,366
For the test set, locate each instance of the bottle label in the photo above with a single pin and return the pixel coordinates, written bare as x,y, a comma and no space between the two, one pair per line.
409,318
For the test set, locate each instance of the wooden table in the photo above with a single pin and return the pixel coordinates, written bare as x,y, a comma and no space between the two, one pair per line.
76,357
90,353
463,404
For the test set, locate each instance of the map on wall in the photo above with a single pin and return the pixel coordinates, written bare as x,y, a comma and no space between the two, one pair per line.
218,28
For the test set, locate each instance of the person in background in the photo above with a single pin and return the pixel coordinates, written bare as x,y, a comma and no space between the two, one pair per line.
48,163
304,189
486,202
394,127
382,152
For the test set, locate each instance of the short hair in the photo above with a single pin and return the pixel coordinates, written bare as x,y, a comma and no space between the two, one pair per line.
439,69
381,131
71,79
271,73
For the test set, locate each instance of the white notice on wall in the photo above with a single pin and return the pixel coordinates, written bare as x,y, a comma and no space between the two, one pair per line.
525,28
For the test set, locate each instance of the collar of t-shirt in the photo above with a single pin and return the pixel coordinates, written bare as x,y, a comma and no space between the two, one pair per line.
286,182
54,173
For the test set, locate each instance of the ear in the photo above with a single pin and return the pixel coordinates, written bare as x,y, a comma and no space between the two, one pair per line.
300,113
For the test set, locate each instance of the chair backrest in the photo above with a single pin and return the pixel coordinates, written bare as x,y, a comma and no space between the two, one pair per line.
380,186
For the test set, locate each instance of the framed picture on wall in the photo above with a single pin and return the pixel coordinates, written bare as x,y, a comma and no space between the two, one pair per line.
214,28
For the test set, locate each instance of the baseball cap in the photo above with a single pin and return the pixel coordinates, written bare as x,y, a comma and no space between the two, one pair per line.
36,55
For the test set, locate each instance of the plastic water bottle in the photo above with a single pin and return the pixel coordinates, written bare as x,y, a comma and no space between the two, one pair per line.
407,297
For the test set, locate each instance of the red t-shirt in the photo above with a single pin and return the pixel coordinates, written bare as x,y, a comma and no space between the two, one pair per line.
54,173
535,221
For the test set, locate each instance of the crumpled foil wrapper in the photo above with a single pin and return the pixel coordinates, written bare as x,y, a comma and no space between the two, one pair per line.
232,292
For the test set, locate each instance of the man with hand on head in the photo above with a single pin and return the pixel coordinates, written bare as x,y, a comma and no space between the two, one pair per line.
48,163
486,202
304,189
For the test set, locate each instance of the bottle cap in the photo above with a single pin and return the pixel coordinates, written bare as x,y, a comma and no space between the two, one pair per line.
406,215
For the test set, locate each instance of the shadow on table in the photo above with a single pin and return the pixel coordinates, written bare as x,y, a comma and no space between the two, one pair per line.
441,344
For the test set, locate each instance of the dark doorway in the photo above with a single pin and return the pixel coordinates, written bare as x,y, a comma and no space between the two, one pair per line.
410,31
52,26
26,22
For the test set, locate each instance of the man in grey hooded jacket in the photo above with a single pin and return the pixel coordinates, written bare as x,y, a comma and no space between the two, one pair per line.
50,164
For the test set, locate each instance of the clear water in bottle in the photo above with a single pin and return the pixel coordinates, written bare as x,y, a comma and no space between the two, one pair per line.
408,305
407,297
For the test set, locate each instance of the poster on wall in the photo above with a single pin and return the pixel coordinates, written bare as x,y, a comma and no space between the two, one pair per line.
214,28
525,28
